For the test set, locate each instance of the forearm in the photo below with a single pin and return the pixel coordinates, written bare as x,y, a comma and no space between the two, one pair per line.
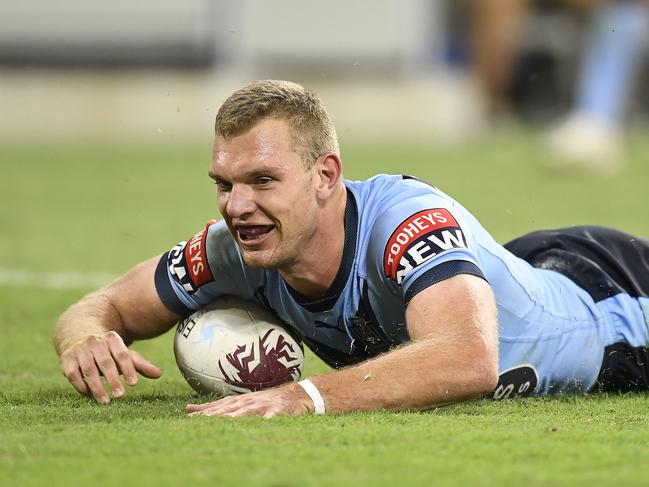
412,377
130,306
453,355
93,315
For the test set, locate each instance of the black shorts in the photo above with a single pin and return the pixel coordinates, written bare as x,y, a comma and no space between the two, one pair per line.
604,262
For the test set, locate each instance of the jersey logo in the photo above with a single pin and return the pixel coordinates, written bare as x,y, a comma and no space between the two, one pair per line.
188,261
418,239
519,381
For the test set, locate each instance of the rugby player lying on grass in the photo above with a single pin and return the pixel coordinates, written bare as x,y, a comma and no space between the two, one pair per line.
388,280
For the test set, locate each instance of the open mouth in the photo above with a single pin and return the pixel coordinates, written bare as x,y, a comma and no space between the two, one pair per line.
251,234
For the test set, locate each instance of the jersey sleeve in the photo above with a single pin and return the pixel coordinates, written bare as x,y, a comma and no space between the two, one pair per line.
421,241
195,272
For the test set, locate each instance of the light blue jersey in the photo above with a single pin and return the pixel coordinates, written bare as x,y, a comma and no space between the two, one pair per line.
402,236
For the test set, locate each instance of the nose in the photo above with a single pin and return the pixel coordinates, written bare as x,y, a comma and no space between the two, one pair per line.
240,201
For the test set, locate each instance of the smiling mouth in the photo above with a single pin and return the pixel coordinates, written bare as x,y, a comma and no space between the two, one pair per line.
251,234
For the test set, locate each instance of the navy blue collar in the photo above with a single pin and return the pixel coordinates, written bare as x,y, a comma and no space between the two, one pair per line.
328,300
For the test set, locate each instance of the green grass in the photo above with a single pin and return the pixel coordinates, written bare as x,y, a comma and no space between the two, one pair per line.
100,207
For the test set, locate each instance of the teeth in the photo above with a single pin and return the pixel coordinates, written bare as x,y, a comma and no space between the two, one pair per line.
253,232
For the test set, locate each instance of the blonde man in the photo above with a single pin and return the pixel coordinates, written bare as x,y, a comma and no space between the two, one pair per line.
390,281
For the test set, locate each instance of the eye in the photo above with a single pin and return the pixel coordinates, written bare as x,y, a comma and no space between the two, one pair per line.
263,180
222,185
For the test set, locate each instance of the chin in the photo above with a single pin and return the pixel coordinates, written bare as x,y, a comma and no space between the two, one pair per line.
259,260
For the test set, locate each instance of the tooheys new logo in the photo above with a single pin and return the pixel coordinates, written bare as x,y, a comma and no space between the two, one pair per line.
418,239
188,261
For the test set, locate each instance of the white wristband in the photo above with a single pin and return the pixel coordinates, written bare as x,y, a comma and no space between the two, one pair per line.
314,394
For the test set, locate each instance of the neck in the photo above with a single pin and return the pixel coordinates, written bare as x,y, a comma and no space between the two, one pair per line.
314,274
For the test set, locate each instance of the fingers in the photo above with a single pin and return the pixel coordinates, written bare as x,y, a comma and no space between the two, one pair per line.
144,367
71,371
79,367
108,369
90,375
84,363
100,351
122,357
232,406
192,408
267,403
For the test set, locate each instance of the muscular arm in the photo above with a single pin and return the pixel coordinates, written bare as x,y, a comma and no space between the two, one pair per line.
91,336
453,357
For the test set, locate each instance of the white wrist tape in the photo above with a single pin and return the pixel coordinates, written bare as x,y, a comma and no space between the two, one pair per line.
313,392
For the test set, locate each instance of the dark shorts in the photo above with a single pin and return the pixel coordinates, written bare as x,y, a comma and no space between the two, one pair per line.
604,262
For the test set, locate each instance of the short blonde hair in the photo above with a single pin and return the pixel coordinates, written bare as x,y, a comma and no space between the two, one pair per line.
313,130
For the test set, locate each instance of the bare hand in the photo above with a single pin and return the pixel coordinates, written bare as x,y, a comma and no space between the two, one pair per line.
84,362
288,399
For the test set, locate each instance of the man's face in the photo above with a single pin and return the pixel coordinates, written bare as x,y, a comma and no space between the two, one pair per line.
265,194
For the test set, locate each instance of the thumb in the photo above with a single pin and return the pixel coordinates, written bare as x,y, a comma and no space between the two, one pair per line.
144,367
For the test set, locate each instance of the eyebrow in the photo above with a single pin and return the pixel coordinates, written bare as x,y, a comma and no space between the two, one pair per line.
259,171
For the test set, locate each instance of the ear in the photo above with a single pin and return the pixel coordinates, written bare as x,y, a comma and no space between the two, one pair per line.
329,169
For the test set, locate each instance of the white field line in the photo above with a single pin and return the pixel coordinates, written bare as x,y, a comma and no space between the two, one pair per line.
53,280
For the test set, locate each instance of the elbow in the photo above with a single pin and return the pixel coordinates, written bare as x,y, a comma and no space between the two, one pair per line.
479,371
489,380
484,376
485,364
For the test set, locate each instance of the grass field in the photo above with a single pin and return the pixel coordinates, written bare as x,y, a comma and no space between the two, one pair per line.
73,213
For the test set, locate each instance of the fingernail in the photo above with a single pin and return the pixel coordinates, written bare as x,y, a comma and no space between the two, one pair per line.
131,382
104,399
119,392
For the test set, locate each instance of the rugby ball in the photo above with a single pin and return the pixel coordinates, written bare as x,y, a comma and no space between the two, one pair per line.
234,346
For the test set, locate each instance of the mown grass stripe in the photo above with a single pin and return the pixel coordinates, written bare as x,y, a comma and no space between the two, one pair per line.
53,280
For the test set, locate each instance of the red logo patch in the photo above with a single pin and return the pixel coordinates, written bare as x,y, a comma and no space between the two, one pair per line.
196,258
419,238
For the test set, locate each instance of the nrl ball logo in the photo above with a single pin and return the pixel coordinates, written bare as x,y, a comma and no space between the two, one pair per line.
268,362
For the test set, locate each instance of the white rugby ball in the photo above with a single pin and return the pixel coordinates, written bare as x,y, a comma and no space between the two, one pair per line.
234,346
